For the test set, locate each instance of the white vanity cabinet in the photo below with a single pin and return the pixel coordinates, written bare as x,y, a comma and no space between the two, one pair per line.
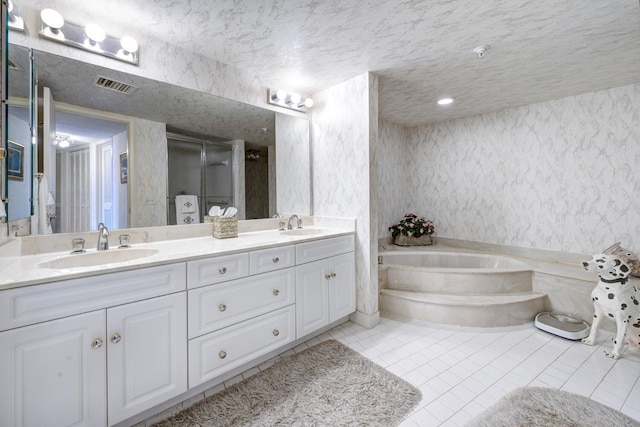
234,322
89,357
54,373
146,354
325,283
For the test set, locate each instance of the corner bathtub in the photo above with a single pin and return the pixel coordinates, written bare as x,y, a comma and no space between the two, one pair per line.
457,288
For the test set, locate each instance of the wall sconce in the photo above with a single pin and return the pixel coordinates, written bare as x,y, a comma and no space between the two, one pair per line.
14,21
91,37
288,100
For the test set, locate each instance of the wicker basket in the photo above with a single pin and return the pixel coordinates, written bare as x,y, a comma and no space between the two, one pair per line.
224,228
402,240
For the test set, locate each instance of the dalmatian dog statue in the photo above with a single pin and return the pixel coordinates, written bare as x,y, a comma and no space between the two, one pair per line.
615,299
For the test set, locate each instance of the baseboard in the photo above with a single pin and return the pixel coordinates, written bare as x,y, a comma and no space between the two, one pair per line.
366,320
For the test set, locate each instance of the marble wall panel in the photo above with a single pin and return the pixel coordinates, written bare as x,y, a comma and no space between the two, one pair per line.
558,175
393,175
292,168
341,156
148,173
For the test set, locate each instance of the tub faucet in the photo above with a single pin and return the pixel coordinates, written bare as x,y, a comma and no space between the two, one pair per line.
380,245
103,237
289,226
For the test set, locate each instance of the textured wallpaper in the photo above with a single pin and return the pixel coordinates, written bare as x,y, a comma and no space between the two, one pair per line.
342,149
560,175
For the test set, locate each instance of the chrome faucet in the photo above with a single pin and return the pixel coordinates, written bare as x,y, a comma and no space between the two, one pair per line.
289,226
380,245
103,237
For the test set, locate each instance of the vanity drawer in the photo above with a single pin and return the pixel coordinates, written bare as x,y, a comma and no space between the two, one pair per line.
320,249
214,354
272,259
208,271
39,303
215,307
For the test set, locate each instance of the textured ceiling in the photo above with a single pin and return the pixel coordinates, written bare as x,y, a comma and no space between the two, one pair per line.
421,50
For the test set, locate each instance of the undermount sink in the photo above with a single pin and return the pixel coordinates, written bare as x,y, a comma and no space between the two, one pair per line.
303,232
90,259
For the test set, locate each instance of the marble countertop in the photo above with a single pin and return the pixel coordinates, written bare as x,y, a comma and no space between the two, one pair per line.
25,270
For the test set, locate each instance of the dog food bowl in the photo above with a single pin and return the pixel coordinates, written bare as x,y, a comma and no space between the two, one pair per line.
562,325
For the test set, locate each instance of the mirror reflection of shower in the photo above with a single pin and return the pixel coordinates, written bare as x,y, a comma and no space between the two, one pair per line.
200,176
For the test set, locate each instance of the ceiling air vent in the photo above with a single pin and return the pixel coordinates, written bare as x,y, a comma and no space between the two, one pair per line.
114,85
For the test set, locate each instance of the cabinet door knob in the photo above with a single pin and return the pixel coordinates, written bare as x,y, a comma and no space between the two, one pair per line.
222,307
333,274
275,259
327,276
276,292
222,270
276,332
116,338
222,354
97,343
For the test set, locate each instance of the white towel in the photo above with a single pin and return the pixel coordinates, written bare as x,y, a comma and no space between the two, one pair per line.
44,222
187,210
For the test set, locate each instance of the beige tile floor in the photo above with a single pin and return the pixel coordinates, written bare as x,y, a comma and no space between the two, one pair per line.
461,371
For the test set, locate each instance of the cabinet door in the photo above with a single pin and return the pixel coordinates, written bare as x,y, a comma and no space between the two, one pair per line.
147,354
312,297
54,373
342,286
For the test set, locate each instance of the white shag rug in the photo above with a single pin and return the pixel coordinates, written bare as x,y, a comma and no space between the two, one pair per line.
325,385
546,407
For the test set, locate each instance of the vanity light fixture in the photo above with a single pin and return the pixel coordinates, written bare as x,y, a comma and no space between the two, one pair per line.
445,101
293,101
91,37
14,21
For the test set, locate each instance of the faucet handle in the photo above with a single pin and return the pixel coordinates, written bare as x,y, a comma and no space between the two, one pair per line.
78,245
281,224
299,223
124,241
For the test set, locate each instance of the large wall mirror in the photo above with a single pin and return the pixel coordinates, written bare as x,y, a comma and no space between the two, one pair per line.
115,147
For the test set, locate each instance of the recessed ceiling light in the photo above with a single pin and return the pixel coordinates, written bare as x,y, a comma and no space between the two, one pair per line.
445,101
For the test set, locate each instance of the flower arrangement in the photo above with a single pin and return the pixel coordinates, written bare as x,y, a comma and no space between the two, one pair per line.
413,226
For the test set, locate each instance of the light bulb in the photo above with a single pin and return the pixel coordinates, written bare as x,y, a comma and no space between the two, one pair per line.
64,143
295,98
52,19
308,102
129,44
95,33
281,94
445,101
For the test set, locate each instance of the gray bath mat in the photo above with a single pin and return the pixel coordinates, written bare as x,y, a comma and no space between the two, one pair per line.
326,385
545,407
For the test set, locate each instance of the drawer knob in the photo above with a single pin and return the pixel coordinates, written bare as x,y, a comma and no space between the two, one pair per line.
222,270
97,343
276,292
276,260
276,332
116,338
222,307
222,354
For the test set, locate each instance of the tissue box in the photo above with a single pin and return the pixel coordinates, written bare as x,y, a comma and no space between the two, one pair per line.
224,228
208,219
